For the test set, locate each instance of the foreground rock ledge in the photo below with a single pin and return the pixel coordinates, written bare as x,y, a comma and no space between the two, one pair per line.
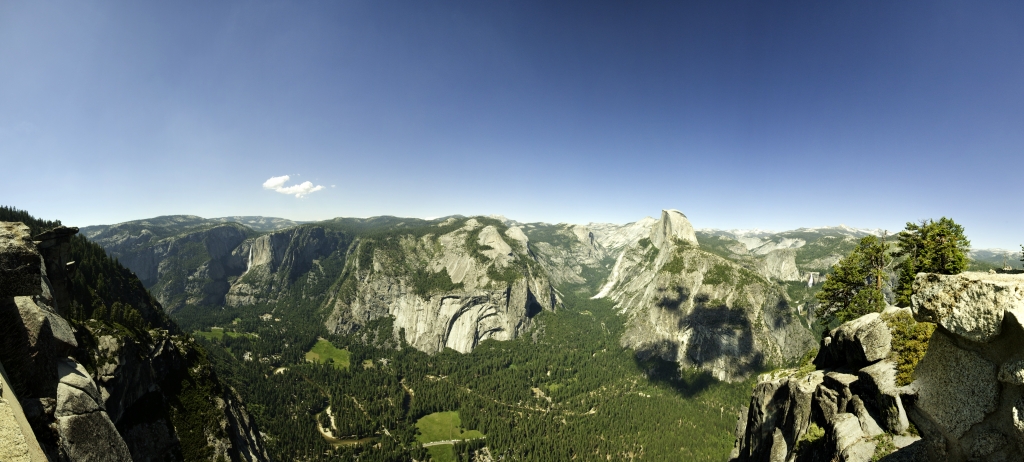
968,305
966,400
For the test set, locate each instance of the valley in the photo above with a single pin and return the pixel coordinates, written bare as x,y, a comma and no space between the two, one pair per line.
461,338
635,341
573,391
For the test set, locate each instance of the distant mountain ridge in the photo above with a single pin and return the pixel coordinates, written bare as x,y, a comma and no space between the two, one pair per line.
611,235
174,224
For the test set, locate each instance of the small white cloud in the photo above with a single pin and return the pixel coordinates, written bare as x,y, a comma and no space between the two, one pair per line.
276,182
299,190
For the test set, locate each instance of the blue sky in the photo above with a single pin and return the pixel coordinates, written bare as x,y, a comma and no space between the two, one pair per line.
770,115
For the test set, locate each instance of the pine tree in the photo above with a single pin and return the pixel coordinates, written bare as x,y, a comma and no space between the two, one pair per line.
930,247
855,287
905,284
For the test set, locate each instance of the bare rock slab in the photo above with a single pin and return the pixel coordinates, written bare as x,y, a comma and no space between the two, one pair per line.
970,305
878,385
20,263
957,388
92,437
13,445
856,343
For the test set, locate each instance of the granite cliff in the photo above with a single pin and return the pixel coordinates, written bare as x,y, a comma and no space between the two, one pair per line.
447,283
98,372
699,309
451,288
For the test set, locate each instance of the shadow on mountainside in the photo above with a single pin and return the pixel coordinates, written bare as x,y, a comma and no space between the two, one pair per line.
686,382
717,338
716,332
673,298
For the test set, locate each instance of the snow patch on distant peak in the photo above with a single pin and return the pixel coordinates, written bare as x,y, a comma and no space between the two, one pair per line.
994,250
759,233
847,229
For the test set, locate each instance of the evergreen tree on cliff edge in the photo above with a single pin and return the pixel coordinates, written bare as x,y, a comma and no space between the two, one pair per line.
930,247
855,287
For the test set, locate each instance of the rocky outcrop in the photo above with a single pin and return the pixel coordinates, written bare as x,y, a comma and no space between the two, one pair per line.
450,290
19,262
138,377
59,398
966,400
968,305
17,441
92,391
700,309
852,400
84,425
857,343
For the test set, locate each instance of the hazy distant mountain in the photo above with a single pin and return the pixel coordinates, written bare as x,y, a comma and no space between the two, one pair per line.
169,225
997,258
262,224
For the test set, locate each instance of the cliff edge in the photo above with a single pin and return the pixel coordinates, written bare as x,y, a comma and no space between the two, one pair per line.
867,397
112,380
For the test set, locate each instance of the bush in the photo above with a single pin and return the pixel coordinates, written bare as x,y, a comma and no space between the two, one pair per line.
812,444
909,344
425,282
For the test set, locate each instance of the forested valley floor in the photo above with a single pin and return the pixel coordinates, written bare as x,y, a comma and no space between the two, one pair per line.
568,391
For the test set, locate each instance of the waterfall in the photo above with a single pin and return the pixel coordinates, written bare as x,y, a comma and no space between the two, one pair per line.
249,263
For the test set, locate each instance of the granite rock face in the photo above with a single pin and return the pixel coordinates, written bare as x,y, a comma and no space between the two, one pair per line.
272,263
966,386
968,305
699,309
493,292
956,387
19,262
119,412
967,397
856,344
780,264
779,413
86,431
17,440
673,226
876,384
